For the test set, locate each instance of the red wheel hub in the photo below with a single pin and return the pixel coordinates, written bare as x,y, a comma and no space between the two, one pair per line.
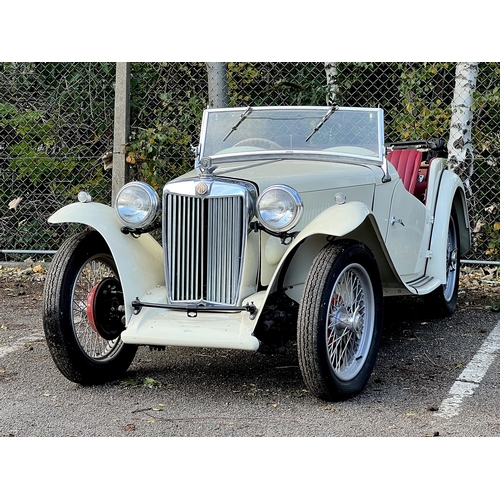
105,311
91,308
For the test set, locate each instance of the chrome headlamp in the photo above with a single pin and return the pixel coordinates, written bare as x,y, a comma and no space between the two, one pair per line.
137,205
279,208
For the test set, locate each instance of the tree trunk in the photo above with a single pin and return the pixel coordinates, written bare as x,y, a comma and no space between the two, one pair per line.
331,81
460,153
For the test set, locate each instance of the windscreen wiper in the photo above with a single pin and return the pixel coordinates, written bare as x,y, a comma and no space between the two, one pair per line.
242,117
323,120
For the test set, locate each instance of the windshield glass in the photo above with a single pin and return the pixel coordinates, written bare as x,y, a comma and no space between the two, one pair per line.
323,130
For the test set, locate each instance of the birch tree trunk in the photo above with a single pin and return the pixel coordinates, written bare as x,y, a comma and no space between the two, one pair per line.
460,153
331,81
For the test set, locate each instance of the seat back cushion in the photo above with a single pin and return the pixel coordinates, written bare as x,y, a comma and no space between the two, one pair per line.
407,163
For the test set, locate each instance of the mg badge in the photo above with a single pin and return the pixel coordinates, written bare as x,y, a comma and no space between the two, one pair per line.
201,188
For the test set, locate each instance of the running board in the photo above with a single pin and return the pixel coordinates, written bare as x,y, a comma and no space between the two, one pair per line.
424,285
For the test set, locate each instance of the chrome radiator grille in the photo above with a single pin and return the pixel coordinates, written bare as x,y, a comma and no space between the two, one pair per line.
204,241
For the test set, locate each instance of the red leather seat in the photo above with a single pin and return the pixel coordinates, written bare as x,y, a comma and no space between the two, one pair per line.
407,163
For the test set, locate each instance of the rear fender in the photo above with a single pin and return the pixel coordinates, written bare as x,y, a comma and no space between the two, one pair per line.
353,221
451,194
139,260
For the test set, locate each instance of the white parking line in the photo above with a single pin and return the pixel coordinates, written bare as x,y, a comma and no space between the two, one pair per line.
471,377
19,344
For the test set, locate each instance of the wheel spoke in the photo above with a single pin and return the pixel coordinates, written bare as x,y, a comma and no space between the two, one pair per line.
451,261
91,273
338,355
347,330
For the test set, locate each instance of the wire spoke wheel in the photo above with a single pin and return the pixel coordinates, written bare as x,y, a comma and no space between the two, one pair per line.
451,261
92,273
340,321
442,302
350,322
83,312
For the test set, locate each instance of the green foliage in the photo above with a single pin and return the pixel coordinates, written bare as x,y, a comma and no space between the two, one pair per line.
368,84
33,137
158,152
416,97
261,84
53,131
166,119
486,144
36,155
424,99
493,232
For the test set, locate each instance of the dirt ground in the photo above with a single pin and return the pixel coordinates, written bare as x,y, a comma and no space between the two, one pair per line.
21,279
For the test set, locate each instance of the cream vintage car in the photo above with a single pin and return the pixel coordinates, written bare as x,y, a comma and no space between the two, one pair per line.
294,225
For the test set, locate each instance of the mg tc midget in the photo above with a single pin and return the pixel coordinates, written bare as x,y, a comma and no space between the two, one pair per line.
293,226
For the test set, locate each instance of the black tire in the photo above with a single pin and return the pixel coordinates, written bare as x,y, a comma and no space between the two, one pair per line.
340,321
442,302
81,353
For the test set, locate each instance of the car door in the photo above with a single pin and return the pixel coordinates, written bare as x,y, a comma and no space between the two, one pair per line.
407,234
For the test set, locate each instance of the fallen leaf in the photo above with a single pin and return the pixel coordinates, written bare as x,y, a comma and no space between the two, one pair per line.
14,203
150,382
131,383
130,427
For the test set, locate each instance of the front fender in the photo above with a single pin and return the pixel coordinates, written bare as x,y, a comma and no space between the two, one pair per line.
353,220
337,220
139,260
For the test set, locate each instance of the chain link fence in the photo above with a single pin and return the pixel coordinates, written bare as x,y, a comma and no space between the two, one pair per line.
56,128
56,120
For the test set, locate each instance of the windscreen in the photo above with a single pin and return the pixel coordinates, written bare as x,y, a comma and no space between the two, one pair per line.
352,131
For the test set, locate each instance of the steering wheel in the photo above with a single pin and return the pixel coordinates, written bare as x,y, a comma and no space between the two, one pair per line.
258,142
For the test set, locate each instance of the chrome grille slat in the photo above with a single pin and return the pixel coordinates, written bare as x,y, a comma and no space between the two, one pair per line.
204,241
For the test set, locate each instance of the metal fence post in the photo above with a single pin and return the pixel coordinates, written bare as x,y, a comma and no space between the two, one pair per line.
121,128
217,85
